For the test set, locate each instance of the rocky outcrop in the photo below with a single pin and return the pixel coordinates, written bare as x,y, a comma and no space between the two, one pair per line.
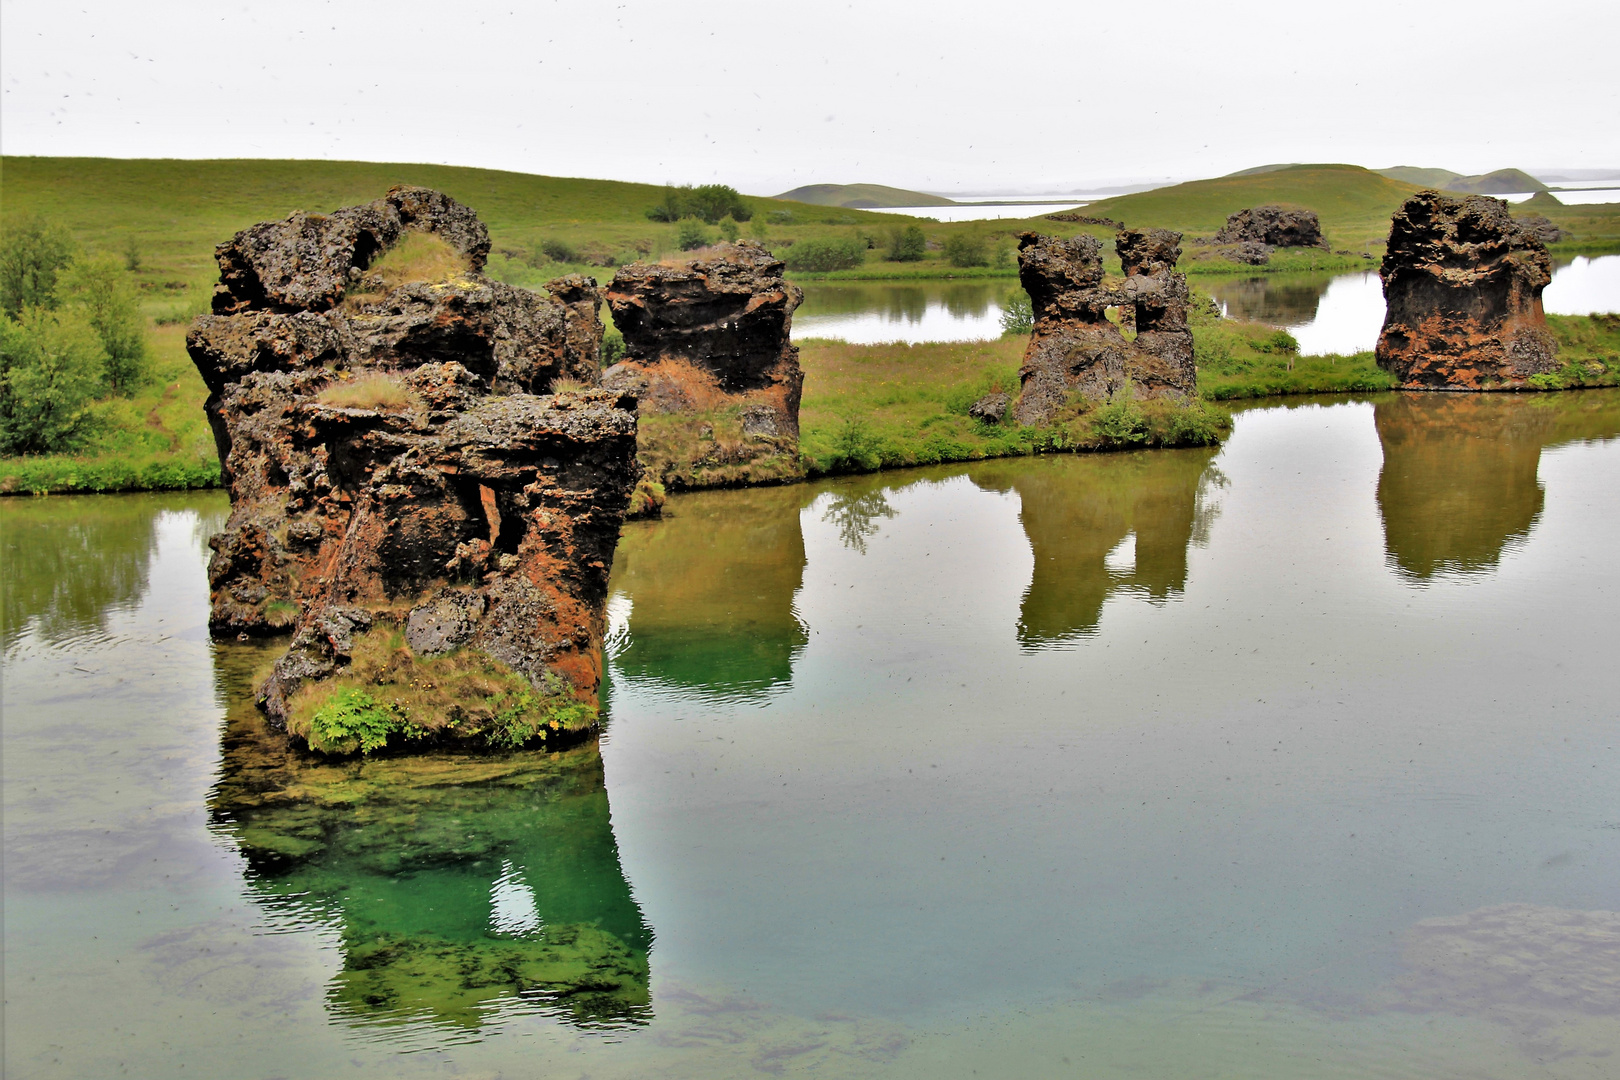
1462,285
1272,225
409,497
708,355
1542,228
1076,349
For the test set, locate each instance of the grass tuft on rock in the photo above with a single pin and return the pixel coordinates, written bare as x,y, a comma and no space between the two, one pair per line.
388,695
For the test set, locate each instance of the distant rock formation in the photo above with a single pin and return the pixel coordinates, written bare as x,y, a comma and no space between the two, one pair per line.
1076,349
1542,228
708,355
1462,285
1273,225
407,496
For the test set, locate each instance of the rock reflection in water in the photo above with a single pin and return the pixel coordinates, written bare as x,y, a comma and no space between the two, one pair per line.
1078,512
1278,299
458,886
1458,485
710,591
71,570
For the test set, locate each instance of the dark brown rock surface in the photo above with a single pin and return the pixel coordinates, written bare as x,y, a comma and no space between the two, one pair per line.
707,353
405,485
1462,288
1076,349
1274,226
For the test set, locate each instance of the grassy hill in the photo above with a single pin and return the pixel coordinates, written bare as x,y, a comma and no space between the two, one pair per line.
1429,178
862,195
176,211
1354,204
1500,182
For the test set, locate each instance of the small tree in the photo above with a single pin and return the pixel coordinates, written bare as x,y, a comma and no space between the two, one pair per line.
691,235
759,230
729,229
132,254
30,258
101,291
907,244
50,374
826,254
965,249
1018,317
711,202
558,251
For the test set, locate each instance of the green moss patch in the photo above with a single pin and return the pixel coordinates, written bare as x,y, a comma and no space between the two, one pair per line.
388,696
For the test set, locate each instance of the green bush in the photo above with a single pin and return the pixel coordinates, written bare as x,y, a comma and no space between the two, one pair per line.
1018,317
352,720
691,235
612,347
824,255
780,217
1121,422
855,447
51,367
729,229
31,256
100,289
709,202
1279,342
558,251
965,249
907,244
1196,424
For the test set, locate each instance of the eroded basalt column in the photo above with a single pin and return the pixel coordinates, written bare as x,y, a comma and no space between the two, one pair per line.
1462,285
1075,349
408,496
707,353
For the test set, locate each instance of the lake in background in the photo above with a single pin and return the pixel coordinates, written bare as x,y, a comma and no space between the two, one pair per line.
1328,313
1292,757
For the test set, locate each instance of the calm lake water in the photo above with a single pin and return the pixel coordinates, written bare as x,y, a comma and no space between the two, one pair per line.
1328,313
1296,757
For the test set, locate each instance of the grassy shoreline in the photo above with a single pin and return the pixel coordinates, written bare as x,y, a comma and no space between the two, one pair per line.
866,407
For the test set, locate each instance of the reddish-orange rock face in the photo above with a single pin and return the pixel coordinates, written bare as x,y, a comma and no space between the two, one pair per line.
707,345
403,482
1462,284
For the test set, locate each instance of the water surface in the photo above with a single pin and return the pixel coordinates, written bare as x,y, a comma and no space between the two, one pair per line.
1328,312
1292,757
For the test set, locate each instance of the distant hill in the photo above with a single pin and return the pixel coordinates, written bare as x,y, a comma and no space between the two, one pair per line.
1258,169
177,210
862,196
1500,182
1429,178
1355,204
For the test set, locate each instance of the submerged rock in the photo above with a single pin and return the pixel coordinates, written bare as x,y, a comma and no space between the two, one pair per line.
1462,285
1273,226
1076,349
707,346
409,496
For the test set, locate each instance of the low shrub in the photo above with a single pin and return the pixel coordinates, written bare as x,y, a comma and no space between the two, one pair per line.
558,251
825,255
691,235
612,346
907,244
965,249
1018,317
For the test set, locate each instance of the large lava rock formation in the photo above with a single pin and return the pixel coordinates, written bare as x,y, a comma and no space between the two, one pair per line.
1462,284
1274,226
708,355
409,497
1075,348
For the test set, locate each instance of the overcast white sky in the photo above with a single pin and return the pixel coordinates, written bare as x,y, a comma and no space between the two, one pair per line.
765,96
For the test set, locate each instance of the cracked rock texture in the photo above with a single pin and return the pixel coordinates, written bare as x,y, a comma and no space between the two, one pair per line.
1273,226
1076,350
708,355
398,462
1462,288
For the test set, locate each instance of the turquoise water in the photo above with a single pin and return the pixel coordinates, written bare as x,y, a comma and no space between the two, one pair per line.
1295,757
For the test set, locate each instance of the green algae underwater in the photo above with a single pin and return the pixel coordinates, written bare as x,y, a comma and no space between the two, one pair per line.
1289,757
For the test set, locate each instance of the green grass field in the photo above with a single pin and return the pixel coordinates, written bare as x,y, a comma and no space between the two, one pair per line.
907,400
